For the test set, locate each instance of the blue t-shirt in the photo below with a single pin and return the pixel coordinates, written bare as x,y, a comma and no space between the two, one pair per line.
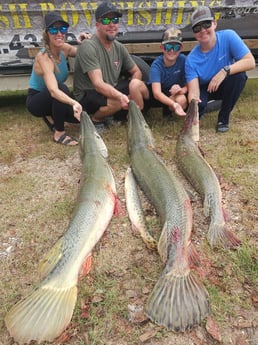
37,82
229,48
168,76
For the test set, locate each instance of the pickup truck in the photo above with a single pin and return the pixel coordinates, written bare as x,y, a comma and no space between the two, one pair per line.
141,28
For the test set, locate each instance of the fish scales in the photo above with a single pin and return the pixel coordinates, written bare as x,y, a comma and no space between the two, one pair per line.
160,187
48,309
203,178
179,300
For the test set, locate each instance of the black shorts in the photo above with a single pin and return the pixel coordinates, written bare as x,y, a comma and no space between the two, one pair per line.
93,100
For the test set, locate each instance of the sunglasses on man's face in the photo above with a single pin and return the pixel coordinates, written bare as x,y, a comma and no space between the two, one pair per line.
204,25
169,46
53,30
107,21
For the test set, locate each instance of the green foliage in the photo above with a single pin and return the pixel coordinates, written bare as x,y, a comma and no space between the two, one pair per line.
245,264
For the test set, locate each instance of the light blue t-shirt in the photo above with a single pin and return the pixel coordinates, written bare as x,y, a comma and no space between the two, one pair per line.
229,48
37,82
168,76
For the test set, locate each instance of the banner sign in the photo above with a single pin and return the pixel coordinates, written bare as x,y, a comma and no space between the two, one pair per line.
21,23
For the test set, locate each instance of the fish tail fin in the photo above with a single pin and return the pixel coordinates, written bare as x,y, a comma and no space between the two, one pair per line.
219,235
43,315
178,302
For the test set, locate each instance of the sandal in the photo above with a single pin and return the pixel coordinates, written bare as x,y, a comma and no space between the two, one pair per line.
66,140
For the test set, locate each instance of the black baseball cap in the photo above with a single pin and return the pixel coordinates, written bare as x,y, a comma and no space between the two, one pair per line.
53,17
105,8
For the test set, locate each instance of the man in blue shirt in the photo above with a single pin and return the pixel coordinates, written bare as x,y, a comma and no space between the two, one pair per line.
216,66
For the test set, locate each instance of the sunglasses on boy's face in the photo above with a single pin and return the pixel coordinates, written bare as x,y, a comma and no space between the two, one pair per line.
204,25
107,21
53,30
169,46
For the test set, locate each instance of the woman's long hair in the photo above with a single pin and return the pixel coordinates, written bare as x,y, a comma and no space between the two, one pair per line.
48,51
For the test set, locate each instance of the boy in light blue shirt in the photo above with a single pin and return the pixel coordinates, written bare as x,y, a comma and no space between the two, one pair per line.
166,86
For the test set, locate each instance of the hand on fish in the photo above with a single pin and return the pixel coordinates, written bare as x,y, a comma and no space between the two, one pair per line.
77,110
124,100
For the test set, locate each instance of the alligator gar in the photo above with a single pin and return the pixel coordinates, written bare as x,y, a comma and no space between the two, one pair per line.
179,300
48,309
202,177
135,211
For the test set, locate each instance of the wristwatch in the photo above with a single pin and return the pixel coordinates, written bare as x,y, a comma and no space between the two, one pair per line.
227,69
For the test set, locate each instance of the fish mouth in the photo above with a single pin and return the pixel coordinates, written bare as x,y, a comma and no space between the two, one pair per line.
139,135
192,116
192,109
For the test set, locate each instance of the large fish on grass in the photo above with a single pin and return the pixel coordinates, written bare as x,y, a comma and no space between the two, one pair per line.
200,174
135,211
47,311
179,300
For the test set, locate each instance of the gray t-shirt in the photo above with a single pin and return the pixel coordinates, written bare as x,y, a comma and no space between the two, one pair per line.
91,55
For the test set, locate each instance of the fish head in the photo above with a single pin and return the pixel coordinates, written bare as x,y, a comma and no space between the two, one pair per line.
139,133
90,140
191,122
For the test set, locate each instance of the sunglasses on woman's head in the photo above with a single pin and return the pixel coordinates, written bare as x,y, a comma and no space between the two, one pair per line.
169,46
53,30
107,21
204,25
